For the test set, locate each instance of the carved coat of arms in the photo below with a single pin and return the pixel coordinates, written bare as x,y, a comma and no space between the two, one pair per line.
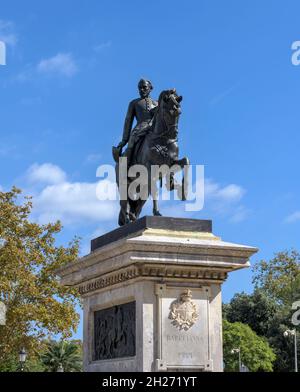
184,311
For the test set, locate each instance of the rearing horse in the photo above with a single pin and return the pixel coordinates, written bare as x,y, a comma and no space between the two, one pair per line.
159,147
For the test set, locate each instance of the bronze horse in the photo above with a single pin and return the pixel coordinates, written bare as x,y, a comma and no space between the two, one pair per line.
159,147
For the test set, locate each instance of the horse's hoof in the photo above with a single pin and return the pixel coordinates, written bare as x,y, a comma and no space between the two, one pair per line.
157,213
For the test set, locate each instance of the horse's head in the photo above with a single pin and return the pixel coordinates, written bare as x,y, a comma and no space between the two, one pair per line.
169,102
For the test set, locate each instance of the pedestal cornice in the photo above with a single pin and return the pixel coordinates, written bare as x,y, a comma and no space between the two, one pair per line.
163,253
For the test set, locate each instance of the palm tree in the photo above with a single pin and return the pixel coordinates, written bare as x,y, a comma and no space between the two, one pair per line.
62,356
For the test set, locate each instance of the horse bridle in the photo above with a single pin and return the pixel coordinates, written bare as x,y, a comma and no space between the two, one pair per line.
165,134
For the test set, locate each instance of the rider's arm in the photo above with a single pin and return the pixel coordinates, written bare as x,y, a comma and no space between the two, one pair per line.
128,123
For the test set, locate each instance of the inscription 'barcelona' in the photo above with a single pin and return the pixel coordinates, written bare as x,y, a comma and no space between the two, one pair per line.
183,338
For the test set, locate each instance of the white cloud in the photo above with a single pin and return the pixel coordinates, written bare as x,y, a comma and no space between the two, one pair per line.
231,193
294,217
62,64
221,201
73,203
46,173
7,32
225,201
55,197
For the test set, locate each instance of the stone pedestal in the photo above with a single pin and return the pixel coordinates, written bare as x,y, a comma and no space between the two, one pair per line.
151,295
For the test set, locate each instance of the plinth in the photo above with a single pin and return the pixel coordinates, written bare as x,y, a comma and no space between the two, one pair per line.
151,294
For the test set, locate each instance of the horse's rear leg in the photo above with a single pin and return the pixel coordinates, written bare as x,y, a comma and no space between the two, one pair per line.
124,213
139,206
155,208
132,210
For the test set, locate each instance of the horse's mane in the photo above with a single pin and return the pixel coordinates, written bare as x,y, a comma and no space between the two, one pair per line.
162,95
160,98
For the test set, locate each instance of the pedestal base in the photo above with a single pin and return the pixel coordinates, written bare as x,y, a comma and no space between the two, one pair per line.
151,295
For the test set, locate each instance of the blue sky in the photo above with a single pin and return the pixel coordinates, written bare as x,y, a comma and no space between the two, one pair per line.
73,66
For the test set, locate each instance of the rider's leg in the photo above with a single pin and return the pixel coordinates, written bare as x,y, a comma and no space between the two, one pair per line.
129,155
129,151
154,194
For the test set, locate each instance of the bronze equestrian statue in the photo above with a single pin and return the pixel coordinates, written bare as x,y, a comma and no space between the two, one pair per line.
142,109
153,141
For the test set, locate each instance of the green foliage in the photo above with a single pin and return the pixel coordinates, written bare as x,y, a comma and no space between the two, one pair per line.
256,310
267,318
63,353
256,353
12,364
34,363
280,277
37,305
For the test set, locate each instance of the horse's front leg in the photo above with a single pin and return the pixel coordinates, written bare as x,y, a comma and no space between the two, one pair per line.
154,194
182,190
182,162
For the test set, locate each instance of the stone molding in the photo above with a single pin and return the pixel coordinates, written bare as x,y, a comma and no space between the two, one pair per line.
163,243
153,272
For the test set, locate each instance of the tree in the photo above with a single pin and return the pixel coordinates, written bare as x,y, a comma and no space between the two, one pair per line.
37,305
266,318
268,310
12,364
255,351
256,310
62,354
280,277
